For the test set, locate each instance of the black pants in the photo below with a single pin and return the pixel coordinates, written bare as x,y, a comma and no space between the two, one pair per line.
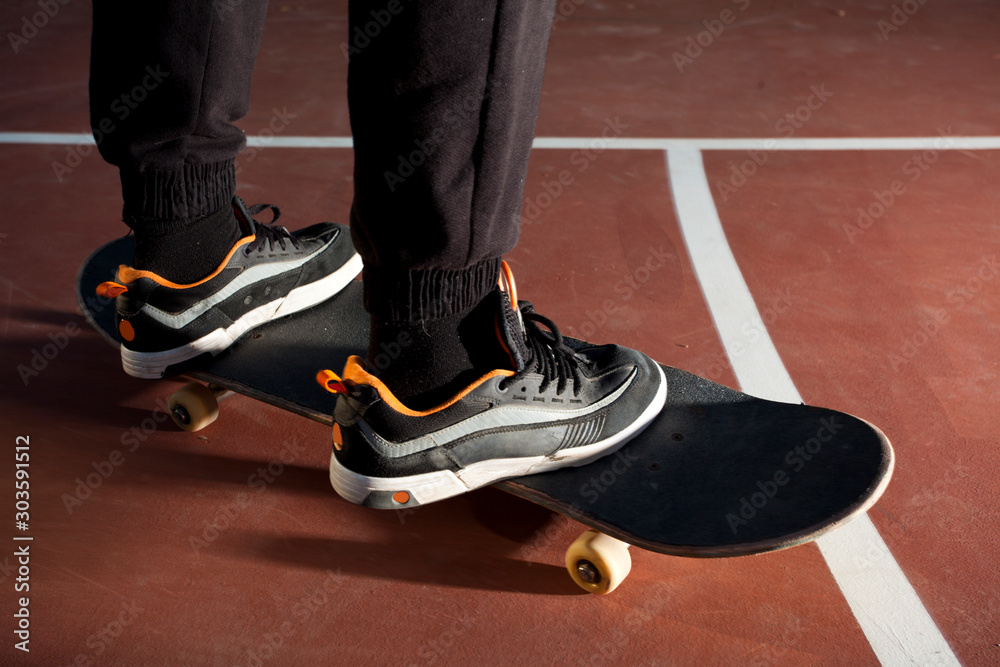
443,97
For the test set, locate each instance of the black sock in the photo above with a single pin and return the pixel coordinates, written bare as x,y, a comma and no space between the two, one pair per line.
184,251
425,363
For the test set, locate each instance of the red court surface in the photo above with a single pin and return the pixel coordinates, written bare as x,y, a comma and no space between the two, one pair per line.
179,556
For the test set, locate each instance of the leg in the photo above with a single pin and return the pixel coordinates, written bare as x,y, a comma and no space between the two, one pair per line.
164,96
443,105
167,80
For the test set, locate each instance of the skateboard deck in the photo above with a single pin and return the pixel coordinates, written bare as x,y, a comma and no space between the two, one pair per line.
717,473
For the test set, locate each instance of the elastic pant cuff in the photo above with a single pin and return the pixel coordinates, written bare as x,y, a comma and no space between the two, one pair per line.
188,193
427,294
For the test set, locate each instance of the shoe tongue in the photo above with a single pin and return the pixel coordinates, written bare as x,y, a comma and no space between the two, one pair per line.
511,333
247,224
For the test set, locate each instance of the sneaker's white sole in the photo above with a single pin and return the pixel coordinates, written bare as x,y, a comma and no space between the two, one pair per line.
152,365
438,485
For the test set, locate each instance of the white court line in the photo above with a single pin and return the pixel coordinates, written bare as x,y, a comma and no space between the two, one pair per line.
45,138
890,613
944,142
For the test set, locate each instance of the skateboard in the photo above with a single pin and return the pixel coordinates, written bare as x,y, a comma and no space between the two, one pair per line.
717,473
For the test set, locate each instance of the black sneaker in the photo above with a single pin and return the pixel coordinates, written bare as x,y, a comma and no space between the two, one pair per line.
566,403
268,274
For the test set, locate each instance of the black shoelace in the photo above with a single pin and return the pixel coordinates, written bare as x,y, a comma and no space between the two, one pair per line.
550,356
269,234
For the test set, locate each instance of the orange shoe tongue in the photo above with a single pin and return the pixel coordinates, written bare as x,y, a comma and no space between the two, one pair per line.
506,282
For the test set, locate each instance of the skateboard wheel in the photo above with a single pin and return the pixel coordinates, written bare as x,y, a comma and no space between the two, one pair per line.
193,407
598,563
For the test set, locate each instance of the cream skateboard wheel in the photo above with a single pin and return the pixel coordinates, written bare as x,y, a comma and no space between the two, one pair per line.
193,407
598,563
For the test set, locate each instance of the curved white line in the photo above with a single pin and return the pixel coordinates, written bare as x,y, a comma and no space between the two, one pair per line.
898,627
